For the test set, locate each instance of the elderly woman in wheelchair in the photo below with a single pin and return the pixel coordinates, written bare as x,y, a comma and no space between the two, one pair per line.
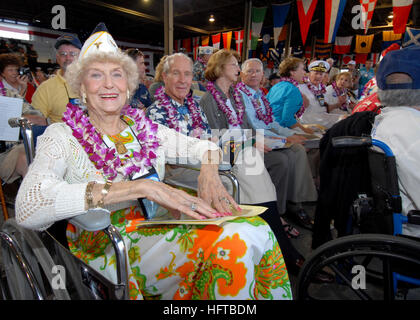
104,156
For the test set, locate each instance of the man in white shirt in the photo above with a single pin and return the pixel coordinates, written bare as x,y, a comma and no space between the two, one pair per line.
398,125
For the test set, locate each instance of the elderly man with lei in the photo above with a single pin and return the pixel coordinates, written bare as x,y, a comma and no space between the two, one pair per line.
260,116
93,159
176,108
318,111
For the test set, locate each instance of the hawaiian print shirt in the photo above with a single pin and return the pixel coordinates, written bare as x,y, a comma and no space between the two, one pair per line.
158,114
141,98
198,71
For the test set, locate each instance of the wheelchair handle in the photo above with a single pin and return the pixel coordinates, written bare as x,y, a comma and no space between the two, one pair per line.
350,141
18,122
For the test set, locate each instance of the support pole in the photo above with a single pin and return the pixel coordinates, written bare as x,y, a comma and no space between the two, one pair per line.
247,29
288,40
169,26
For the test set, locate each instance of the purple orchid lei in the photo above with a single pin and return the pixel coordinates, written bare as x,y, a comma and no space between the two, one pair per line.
317,92
2,89
163,100
300,112
266,116
234,121
105,158
339,92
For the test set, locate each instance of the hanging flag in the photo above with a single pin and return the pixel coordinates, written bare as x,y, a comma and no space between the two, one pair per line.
196,45
239,40
411,37
177,45
347,58
306,9
257,17
333,13
363,43
266,39
361,58
308,52
227,39
368,6
401,9
280,12
186,44
322,50
375,57
205,41
215,38
389,37
342,44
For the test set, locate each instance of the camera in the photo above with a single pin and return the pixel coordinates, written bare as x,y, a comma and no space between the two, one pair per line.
24,71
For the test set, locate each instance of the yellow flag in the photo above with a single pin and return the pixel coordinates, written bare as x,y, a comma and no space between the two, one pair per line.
363,43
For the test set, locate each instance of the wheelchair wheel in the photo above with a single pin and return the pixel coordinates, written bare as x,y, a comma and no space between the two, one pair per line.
362,266
27,266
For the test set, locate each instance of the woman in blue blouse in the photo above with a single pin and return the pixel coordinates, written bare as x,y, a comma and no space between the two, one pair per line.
285,97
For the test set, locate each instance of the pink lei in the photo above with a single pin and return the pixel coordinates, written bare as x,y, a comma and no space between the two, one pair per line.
197,120
104,158
317,92
340,92
232,120
266,116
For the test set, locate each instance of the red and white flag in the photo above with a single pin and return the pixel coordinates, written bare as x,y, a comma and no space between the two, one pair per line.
215,38
342,44
306,9
239,40
368,6
186,44
401,10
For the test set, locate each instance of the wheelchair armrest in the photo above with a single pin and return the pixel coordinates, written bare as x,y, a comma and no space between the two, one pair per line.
94,220
413,217
187,163
351,141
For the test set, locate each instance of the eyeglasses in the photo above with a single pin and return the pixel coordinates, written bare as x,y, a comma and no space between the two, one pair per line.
65,53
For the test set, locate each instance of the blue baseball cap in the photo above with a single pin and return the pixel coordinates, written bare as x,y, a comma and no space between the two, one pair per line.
400,61
68,39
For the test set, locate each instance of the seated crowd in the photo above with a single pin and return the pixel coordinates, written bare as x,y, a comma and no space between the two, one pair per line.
107,127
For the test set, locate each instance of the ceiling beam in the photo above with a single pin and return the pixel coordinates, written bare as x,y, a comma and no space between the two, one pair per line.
211,8
142,15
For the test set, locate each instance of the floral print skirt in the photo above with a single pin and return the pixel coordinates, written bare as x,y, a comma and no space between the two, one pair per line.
239,259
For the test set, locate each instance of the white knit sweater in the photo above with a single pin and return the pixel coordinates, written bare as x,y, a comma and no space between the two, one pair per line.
55,185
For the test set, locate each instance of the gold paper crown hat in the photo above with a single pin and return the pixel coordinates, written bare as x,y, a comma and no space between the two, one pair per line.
99,41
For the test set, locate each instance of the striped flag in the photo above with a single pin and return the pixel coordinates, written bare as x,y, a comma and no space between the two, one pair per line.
227,39
177,45
258,15
306,9
196,45
411,37
342,44
215,38
401,9
368,6
333,13
280,12
308,52
322,50
363,43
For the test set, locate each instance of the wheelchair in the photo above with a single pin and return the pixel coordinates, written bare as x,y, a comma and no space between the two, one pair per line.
38,266
369,266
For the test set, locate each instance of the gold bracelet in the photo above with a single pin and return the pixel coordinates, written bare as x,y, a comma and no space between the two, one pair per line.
104,193
89,195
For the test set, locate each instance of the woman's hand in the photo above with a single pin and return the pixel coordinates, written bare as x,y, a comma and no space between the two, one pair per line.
297,139
177,201
212,191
